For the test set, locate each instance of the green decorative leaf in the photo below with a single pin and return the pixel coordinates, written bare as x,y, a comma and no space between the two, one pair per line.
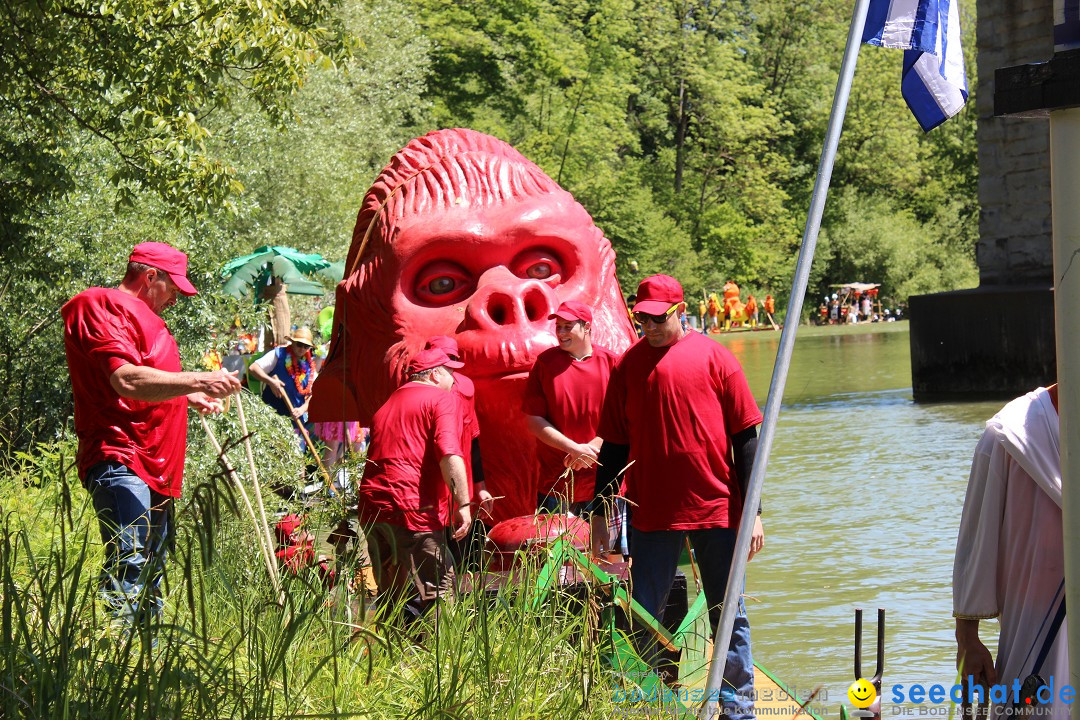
288,265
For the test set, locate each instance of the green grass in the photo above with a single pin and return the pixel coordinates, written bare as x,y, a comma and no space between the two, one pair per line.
227,648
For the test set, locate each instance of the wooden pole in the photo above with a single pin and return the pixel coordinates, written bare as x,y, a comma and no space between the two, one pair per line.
307,439
260,533
254,473
1064,181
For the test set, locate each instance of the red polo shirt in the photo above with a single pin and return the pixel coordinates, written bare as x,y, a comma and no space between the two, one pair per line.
677,408
569,394
105,329
415,428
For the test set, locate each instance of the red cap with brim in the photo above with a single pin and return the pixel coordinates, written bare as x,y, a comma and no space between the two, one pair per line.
432,358
464,385
572,310
286,526
445,343
656,294
167,259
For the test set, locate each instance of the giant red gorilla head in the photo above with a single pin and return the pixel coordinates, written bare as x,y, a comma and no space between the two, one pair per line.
461,235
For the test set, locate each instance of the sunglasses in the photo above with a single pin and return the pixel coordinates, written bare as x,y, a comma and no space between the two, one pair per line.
656,319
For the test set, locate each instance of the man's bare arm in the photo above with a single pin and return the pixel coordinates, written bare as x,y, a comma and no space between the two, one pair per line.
148,384
550,436
453,472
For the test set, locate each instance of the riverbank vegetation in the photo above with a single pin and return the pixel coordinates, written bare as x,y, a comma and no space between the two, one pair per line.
228,647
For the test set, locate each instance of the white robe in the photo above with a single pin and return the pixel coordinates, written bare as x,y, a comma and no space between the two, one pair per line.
1010,553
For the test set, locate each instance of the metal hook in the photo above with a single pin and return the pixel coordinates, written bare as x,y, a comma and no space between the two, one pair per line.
875,680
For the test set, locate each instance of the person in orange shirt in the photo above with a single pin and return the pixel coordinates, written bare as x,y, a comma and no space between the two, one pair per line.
714,312
731,298
751,310
769,306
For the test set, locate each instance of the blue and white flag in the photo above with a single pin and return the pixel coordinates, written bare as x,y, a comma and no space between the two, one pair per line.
933,82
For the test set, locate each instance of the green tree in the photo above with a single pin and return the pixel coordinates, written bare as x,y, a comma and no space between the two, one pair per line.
925,184
711,129
874,240
143,77
304,176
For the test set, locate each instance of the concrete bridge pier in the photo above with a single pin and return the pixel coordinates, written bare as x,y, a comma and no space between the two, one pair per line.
997,340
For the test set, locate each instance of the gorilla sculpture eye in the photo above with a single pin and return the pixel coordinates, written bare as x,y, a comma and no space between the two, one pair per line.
537,264
540,271
442,283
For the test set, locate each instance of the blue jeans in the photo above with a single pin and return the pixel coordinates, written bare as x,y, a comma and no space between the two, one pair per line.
655,560
135,524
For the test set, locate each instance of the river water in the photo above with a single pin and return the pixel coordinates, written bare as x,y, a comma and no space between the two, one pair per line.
862,501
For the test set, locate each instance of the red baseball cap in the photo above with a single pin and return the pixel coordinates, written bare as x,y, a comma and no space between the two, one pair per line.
286,526
166,258
432,358
573,310
445,343
656,294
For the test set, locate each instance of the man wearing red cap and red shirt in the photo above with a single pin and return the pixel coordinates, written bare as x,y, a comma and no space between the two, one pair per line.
679,405
467,552
404,503
563,399
131,400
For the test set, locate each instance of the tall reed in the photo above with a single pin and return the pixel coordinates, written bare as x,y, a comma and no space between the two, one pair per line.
226,645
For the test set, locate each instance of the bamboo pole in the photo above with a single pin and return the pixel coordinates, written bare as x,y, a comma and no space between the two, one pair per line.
254,473
307,440
264,551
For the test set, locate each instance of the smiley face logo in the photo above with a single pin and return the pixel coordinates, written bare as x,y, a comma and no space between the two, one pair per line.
861,693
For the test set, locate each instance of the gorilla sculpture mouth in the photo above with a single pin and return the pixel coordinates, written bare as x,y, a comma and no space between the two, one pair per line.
508,359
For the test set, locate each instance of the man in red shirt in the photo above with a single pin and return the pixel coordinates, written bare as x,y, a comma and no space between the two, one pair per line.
131,400
679,406
467,552
563,399
404,502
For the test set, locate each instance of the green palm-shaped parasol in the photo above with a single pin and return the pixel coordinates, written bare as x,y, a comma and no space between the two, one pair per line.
273,271
291,267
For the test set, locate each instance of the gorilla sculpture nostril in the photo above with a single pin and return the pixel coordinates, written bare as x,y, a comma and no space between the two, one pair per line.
500,308
513,305
537,307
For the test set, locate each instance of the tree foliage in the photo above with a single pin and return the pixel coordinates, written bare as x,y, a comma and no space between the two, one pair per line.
144,77
699,124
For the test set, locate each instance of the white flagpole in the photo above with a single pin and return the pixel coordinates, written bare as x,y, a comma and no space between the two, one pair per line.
737,574
1064,183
